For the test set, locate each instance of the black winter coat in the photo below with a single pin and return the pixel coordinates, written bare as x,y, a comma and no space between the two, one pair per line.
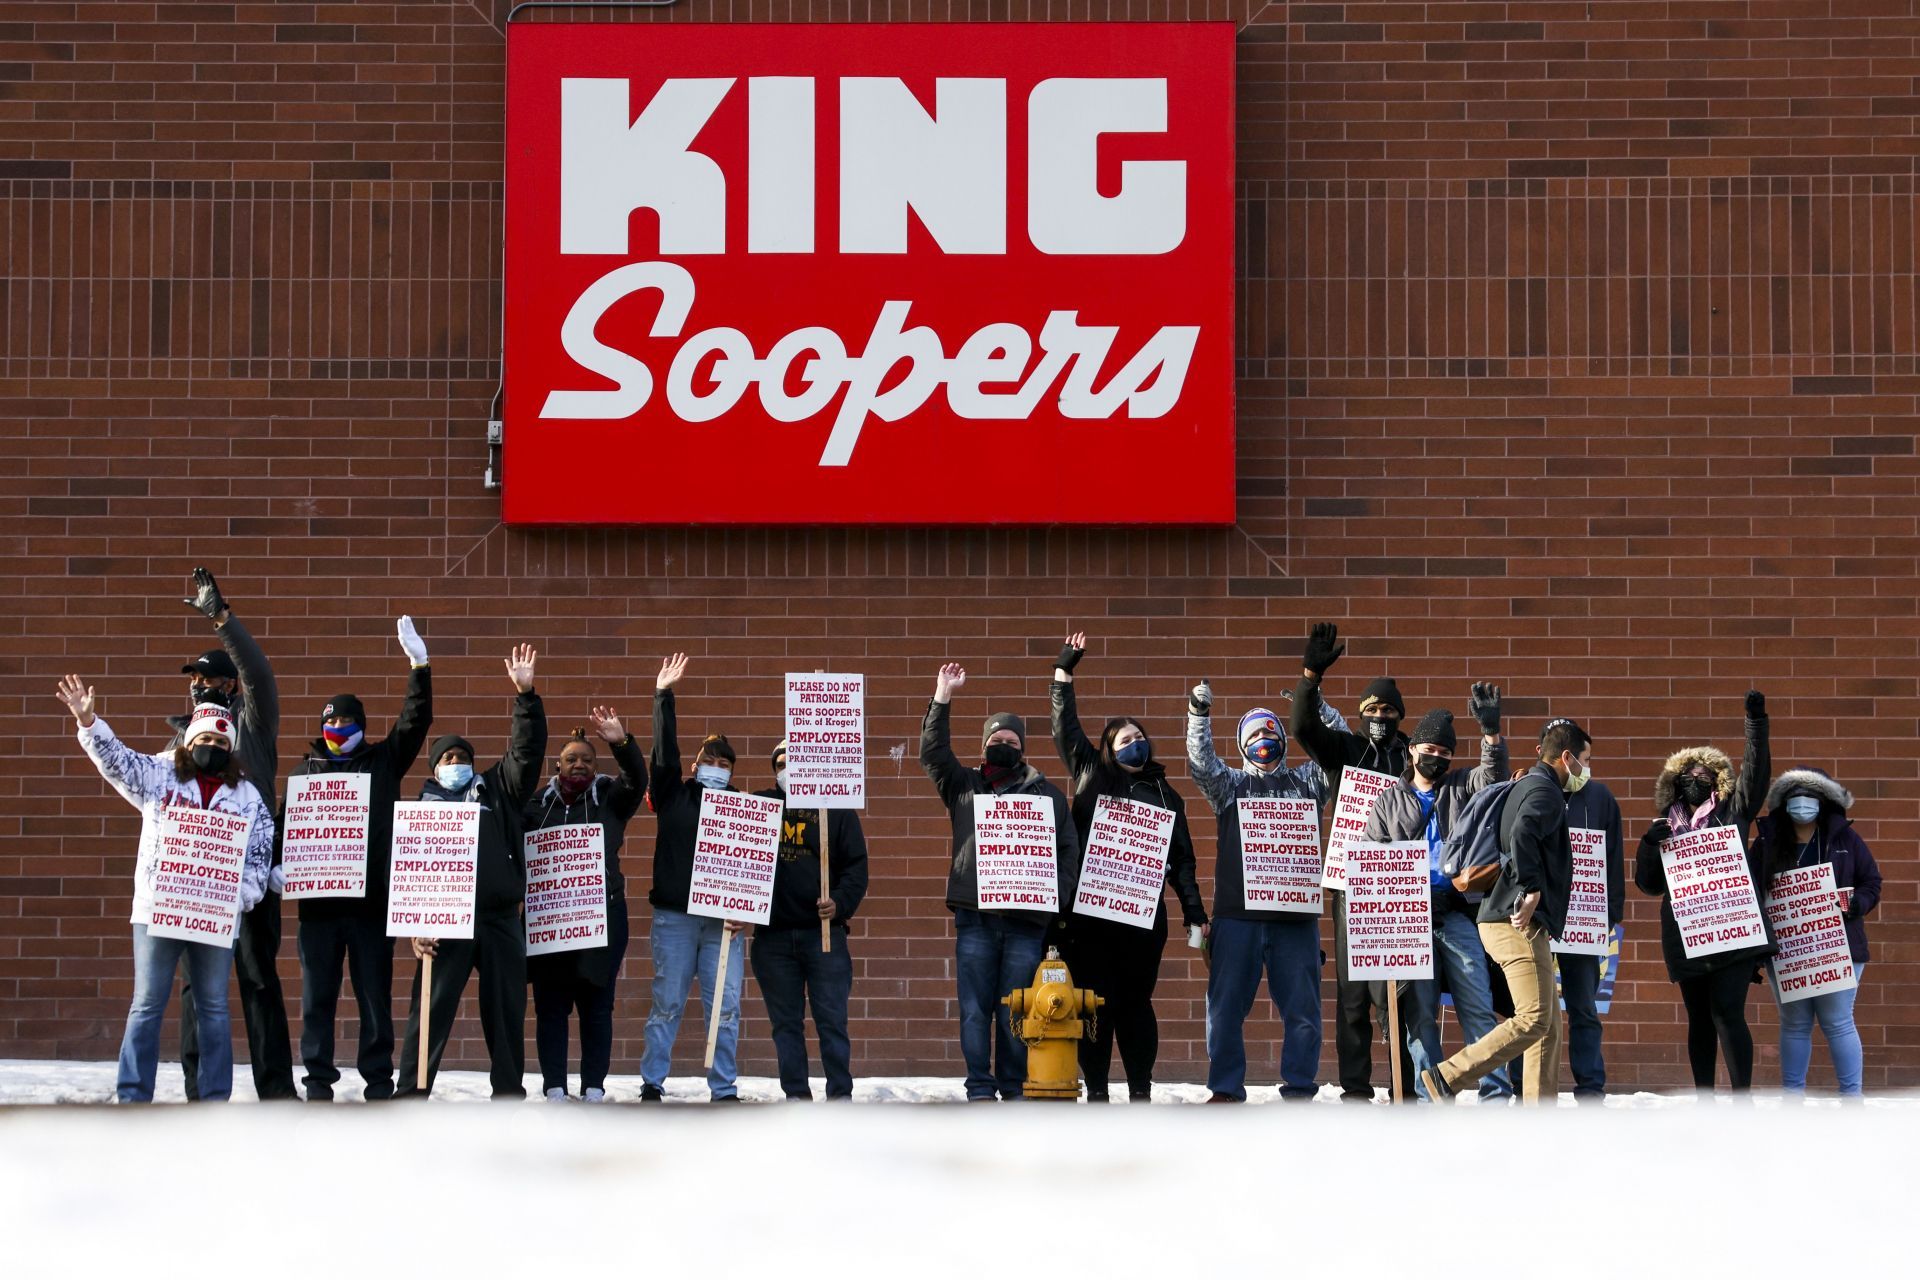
386,763
1332,749
796,875
1091,780
675,802
1536,852
502,793
611,802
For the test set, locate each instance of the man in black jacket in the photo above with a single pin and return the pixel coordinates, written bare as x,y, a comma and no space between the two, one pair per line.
238,677
996,948
787,961
353,931
1381,747
498,948
1520,916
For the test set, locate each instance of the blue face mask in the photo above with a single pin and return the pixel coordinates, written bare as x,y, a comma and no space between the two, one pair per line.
1803,808
1135,753
453,777
710,775
1264,751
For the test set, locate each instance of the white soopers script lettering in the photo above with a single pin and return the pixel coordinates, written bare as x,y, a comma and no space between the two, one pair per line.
948,166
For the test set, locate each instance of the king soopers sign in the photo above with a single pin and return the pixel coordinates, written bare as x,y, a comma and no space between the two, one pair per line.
841,274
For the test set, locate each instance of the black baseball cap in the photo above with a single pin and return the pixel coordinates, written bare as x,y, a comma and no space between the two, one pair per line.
214,664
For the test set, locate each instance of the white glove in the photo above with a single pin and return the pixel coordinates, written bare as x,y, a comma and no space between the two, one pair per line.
1200,701
410,641
277,880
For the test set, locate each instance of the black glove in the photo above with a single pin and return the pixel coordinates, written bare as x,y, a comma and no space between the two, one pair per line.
1323,648
206,595
1756,705
1069,655
1660,832
1200,700
1483,704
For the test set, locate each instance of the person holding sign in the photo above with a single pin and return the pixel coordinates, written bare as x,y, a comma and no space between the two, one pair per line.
1422,805
1590,808
201,774
1378,747
1807,826
683,944
1518,919
238,676
350,930
1246,938
1696,791
1121,961
498,947
997,948
792,971
582,978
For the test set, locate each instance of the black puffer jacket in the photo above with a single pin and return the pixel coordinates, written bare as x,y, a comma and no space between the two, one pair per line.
958,784
386,763
1093,779
611,802
1334,749
502,793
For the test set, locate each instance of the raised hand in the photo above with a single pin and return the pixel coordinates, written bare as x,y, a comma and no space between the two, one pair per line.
1200,701
520,667
1756,704
206,595
410,641
671,669
607,725
1483,704
951,677
1323,648
1072,649
78,698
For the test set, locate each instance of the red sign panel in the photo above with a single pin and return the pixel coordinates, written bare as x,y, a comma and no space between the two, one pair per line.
888,274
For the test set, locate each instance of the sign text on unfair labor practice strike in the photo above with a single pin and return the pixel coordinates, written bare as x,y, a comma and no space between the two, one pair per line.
863,264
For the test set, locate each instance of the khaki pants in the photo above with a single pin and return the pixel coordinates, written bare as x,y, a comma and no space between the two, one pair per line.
1534,1029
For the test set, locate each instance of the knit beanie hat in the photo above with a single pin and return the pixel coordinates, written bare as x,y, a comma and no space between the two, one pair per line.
779,749
209,717
445,743
345,704
1260,718
1436,729
1383,690
1004,720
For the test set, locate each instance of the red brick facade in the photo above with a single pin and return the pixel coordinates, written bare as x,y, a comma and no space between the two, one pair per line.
1578,352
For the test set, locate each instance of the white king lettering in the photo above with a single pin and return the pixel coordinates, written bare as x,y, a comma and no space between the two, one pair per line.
948,167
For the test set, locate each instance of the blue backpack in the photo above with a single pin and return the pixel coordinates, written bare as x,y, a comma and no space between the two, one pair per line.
1472,848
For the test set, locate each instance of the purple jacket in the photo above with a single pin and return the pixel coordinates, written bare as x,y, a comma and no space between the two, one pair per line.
1853,868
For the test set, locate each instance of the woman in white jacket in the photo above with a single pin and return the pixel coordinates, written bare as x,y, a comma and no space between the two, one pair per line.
201,773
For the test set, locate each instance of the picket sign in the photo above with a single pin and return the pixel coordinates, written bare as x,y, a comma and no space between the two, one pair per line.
735,848
826,756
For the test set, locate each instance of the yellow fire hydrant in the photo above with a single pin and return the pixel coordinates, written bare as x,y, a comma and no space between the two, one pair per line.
1048,1019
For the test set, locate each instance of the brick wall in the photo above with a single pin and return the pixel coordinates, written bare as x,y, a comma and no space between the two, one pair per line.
1578,352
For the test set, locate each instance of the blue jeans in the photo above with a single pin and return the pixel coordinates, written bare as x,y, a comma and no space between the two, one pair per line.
682,947
793,974
1834,1011
1289,953
154,962
1579,988
994,954
1463,961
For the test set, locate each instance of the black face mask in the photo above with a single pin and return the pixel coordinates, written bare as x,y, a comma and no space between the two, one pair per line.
1002,755
1432,768
1380,729
1695,790
208,758
200,693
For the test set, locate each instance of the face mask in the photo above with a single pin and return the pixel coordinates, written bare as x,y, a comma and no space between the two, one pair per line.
1803,808
1134,754
572,788
712,775
1695,790
209,758
200,693
341,741
1264,751
780,779
1575,781
454,777
1002,755
1380,730
1432,768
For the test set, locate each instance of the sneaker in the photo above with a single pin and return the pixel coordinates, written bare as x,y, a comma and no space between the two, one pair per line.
1222,1097
651,1093
1437,1088
594,1095
556,1094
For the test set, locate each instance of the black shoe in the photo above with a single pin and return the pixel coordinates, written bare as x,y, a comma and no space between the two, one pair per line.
649,1093
1437,1089
732,1097
1101,1096
1350,1095
319,1095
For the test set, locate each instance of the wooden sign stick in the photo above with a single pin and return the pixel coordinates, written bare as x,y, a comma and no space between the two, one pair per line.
719,992
826,890
426,1020
1393,1038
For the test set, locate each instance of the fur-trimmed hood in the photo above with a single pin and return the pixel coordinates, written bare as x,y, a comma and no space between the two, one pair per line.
1813,781
1665,791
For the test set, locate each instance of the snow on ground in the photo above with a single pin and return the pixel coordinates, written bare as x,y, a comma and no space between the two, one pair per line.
1030,1190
